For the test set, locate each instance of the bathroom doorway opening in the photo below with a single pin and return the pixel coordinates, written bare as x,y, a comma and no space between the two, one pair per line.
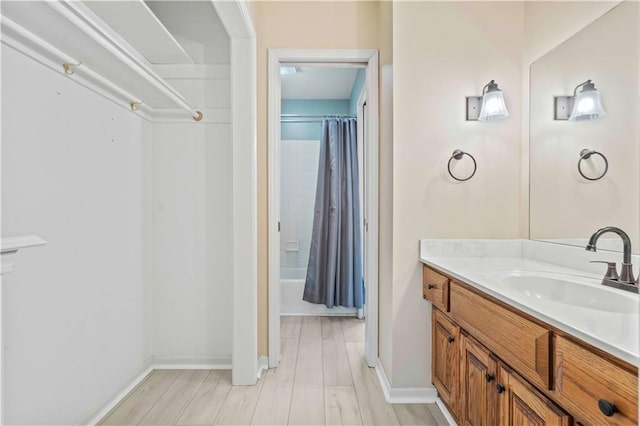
305,87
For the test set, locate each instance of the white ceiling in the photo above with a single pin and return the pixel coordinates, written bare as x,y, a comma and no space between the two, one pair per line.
319,83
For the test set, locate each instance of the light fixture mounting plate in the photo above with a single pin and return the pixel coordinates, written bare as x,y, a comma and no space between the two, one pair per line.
562,107
473,107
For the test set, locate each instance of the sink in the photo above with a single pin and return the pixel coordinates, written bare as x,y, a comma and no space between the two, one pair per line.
566,289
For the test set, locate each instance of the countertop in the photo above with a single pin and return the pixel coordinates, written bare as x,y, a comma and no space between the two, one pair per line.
616,333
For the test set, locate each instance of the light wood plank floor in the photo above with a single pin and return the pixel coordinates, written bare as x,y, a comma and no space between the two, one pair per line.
322,379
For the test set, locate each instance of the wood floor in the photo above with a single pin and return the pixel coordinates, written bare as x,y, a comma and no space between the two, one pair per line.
322,379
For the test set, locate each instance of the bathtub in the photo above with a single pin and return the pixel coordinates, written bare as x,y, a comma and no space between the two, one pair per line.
291,303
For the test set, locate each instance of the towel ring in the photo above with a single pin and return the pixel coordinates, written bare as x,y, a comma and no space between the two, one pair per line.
585,154
457,155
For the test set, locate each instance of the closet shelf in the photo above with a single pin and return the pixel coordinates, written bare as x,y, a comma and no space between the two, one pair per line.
134,21
76,36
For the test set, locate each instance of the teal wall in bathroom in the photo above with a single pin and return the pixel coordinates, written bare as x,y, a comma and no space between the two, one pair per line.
309,131
355,92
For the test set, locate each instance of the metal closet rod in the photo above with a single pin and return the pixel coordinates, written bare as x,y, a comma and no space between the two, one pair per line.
76,17
70,66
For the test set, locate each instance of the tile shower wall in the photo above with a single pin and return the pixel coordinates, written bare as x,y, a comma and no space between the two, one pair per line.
298,175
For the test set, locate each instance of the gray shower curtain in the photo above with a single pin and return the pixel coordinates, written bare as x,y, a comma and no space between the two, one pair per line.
334,273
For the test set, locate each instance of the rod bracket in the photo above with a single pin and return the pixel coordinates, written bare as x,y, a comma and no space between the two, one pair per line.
68,67
198,116
135,105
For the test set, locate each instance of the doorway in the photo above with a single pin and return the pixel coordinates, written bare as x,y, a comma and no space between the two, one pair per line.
292,251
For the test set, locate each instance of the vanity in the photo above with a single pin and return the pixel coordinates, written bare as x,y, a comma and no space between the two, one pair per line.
520,335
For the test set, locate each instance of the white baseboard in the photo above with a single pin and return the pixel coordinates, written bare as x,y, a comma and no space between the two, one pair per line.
166,363
138,377
263,364
447,415
159,364
404,395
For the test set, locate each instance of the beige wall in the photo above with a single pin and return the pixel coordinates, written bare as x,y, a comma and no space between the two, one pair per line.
385,295
309,25
443,52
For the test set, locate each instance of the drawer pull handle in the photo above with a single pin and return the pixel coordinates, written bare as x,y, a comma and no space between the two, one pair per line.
450,339
607,408
430,286
489,377
500,388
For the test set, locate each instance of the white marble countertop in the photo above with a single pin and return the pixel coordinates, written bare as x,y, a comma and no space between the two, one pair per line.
479,261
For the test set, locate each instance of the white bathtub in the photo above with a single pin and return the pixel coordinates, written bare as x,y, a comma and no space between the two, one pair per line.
291,302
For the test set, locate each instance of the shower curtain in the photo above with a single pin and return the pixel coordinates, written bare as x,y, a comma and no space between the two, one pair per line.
334,272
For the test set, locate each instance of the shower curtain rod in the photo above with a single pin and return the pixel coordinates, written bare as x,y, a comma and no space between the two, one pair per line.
310,118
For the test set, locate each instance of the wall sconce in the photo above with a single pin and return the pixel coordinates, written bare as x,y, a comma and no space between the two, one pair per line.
288,70
488,107
585,105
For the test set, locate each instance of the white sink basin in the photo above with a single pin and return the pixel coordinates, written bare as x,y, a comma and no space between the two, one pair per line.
573,290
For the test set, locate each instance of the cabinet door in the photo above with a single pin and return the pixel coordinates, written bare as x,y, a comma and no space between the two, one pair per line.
445,359
520,404
479,398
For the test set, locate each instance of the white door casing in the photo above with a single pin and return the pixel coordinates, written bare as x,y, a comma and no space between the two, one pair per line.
332,57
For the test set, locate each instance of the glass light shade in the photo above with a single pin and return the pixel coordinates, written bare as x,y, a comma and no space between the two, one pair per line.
493,107
284,70
587,106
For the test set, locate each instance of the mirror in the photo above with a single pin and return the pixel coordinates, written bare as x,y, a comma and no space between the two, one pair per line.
568,199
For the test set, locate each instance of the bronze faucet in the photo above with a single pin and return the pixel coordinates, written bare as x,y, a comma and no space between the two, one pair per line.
626,280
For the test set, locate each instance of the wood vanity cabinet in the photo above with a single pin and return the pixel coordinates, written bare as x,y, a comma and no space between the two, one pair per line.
495,365
520,404
589,384
435,289
445,357
478,397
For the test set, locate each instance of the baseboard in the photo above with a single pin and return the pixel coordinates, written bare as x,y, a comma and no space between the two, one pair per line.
404,395
154,363
263,364
445,412
167,363
145,369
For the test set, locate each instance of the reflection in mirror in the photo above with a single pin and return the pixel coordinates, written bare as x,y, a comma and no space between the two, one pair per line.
585,174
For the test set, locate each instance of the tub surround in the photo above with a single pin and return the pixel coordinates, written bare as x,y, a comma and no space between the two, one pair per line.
479,263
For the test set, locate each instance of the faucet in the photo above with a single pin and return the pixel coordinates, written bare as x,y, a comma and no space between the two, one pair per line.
626,281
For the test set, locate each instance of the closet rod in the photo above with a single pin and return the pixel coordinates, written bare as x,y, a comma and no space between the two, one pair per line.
69,65
73,13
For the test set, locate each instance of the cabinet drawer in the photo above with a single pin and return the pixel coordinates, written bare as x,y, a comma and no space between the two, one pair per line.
583,378
509,335
435,288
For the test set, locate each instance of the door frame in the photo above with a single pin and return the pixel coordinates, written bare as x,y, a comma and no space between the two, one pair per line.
344,57
236,20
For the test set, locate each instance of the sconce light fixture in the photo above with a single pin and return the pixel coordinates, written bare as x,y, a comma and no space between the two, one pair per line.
288,70
585,105
488,107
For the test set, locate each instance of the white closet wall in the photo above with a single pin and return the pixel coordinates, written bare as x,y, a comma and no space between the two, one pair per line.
192,264
136,207
192,199
75,170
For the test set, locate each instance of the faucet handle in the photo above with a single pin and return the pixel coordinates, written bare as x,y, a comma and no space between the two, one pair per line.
612,271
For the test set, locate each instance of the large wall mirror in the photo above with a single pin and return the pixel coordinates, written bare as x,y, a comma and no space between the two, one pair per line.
585,173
